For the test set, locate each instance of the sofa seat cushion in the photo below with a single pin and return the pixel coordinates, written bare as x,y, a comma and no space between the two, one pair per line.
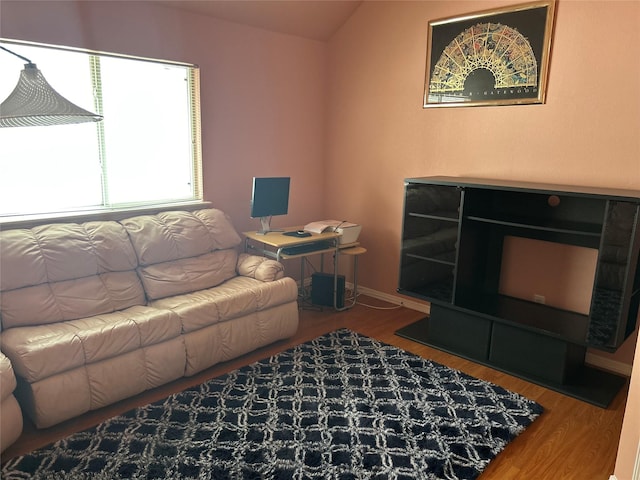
40,351
234,298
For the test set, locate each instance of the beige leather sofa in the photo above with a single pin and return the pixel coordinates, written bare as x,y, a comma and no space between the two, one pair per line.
96,312
10,413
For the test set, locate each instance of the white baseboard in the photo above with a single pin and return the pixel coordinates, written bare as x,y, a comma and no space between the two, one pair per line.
396,300
592,359
612,477
608,364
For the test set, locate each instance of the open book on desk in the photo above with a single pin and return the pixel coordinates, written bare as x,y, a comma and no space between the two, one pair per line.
348,232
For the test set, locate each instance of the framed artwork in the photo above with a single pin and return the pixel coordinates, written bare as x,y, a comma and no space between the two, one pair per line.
494,57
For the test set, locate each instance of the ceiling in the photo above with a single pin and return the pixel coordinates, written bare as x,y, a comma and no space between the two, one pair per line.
313,19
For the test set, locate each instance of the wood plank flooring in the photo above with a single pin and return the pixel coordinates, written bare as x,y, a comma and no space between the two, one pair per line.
571,440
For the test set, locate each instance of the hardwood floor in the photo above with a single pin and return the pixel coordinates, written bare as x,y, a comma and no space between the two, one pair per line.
571,440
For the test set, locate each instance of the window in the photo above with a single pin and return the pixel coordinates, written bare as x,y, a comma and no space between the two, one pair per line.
145,152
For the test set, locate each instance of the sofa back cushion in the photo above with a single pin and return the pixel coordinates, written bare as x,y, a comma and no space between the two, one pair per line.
57,272
180,252
188,274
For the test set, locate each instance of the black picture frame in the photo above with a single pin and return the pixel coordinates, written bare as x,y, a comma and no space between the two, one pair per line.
493,57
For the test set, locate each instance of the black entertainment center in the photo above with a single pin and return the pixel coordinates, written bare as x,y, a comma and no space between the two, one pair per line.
452,243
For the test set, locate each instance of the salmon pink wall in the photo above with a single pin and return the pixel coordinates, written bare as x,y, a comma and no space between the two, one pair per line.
262,93
379,134
558,272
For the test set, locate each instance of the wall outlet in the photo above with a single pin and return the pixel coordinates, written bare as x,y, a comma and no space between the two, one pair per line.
539,299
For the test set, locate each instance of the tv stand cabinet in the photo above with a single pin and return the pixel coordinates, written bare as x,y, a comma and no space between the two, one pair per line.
452,241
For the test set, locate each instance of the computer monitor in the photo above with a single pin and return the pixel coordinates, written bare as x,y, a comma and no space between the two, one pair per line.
270,196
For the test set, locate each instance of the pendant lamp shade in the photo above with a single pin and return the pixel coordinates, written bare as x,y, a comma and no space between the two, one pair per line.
35,103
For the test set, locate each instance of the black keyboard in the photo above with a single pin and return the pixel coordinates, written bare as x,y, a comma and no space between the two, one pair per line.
307,247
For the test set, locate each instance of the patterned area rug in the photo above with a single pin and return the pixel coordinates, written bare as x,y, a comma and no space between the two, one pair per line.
343,406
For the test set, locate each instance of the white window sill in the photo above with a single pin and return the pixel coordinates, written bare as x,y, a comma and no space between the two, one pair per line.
29,221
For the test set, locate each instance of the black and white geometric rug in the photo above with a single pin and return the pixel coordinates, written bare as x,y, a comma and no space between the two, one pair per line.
343,406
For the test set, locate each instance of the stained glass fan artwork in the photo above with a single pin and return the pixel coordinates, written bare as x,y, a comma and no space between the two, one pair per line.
497,48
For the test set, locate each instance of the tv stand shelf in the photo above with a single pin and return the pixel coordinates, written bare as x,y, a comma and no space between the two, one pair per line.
574,229
453,235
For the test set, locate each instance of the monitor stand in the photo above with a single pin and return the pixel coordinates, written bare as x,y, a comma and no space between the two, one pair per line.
265,223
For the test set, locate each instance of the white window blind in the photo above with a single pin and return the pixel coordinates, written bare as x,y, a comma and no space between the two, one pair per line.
146,151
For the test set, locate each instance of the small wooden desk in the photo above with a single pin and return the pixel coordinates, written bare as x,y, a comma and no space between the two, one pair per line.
278,241
272,245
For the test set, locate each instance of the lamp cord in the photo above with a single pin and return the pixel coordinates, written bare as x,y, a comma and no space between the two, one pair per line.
19,56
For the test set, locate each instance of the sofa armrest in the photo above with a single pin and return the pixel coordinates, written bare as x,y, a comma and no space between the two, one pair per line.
7,377
260,268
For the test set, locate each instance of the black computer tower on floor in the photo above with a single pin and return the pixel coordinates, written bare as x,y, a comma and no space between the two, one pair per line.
322,289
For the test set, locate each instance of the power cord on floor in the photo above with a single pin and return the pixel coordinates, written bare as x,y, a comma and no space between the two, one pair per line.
395,307
375,307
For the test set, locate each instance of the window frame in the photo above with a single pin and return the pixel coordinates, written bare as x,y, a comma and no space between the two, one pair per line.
106,211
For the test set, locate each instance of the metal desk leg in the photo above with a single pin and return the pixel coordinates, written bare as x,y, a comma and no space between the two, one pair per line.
355,252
